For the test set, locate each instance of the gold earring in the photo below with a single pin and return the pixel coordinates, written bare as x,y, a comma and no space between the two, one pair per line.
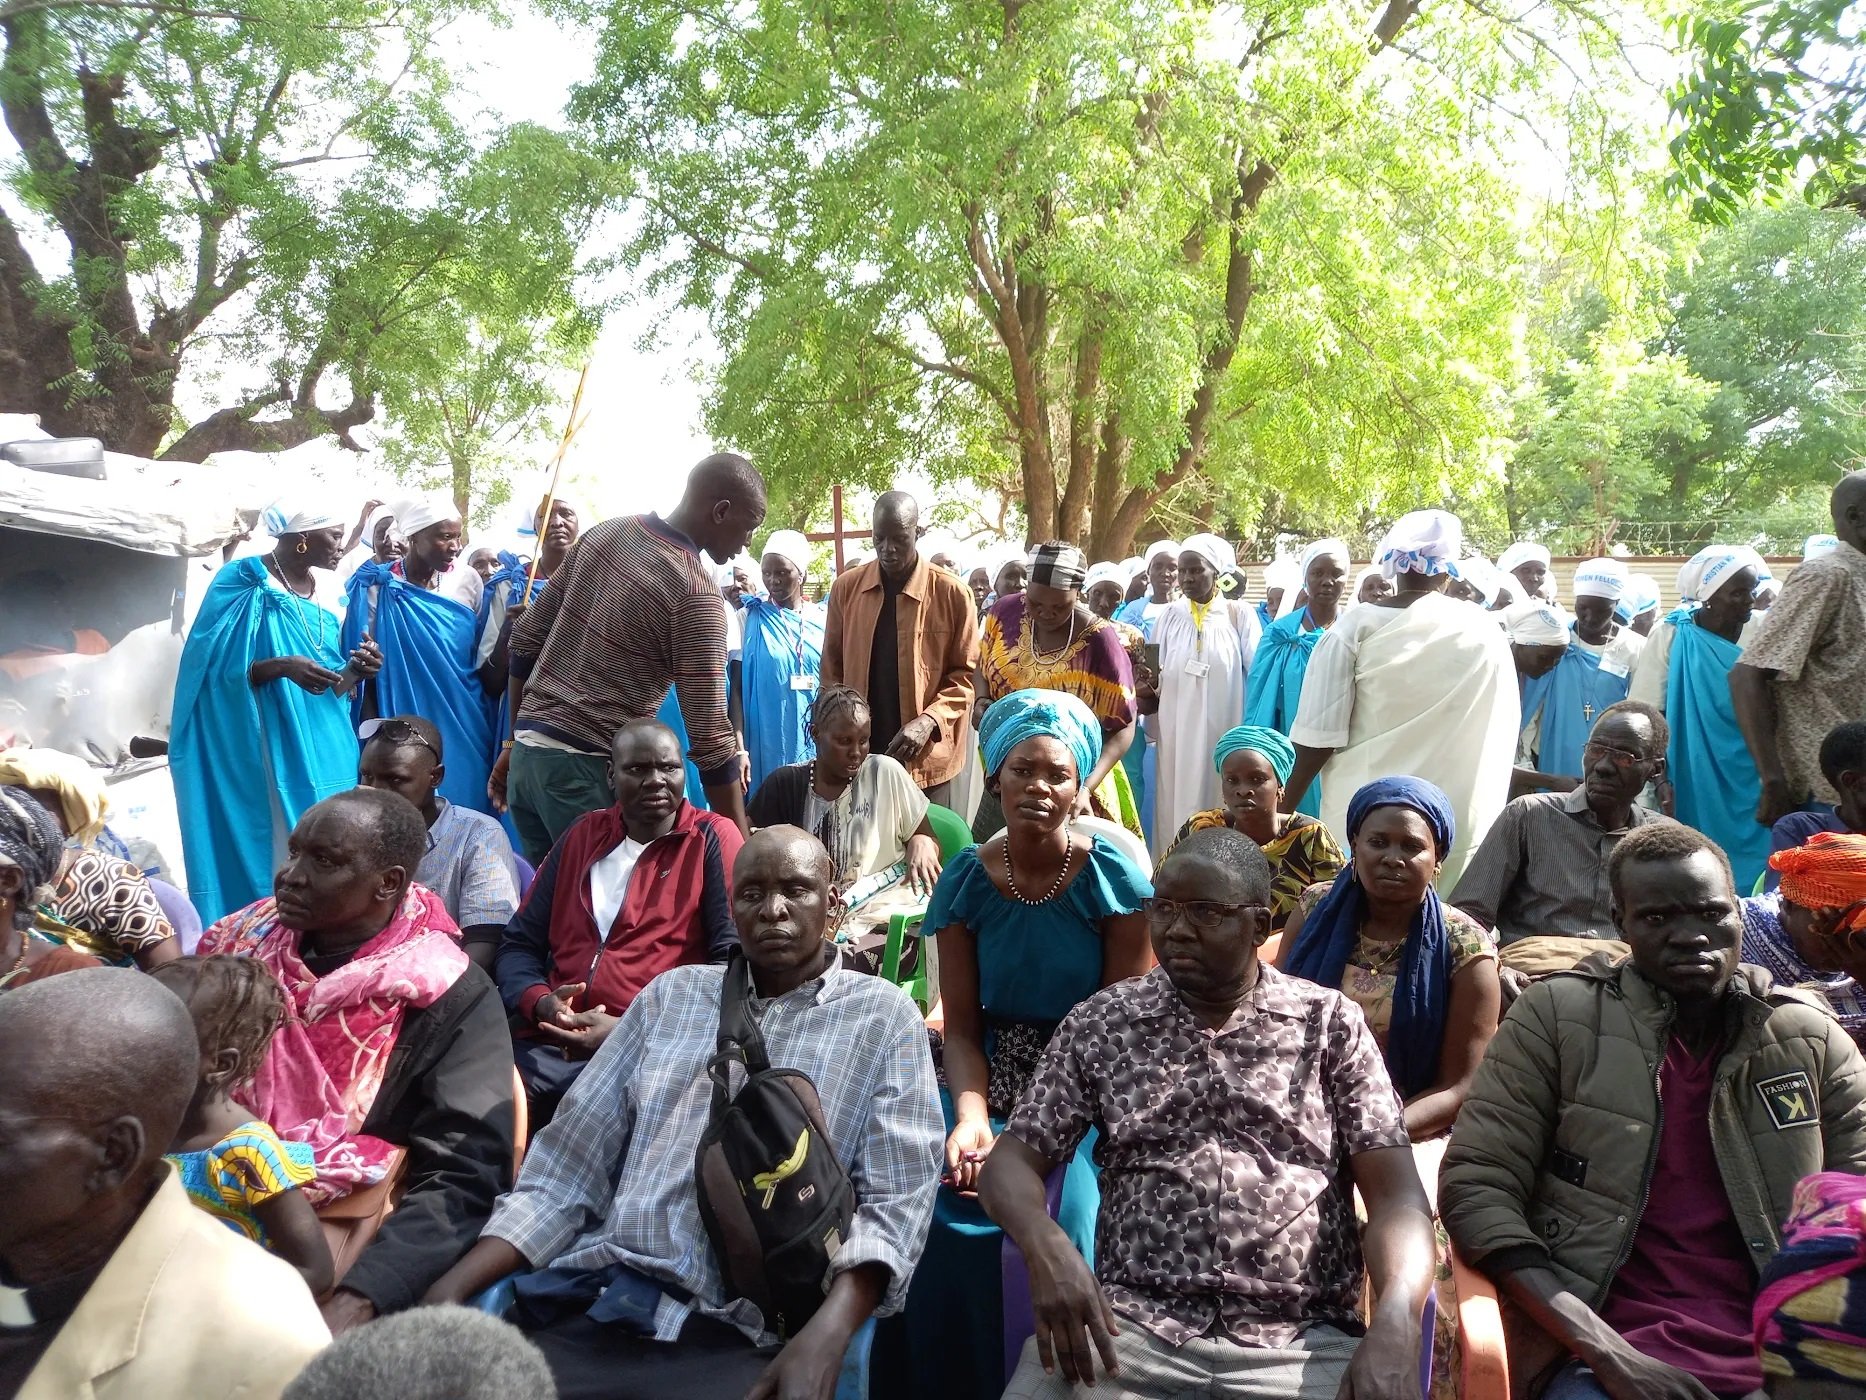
302,548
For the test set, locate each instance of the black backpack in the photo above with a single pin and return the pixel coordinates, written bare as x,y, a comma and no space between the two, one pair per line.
776,1203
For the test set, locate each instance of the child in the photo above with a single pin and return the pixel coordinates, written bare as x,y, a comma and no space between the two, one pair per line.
234,1166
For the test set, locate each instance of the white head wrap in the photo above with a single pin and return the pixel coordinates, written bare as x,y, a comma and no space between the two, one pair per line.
1159,547
791,545
381,514
289,517
1106,572
1360,579
1520,553
1815,546
1421,542
1131,567
1711,567
1486,578
1600,578
1641,597
418,513
1536,624
1212,550
722,575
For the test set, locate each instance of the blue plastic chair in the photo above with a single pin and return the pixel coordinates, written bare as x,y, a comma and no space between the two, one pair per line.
180,912
526,874
851,1384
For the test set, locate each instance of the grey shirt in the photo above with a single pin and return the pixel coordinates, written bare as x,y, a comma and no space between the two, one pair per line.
469,865
1542,869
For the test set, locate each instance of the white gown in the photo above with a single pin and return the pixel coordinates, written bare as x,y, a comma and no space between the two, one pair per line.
1201,684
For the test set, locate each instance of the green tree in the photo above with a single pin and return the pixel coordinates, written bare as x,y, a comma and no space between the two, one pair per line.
1131,258
270,208
1725,403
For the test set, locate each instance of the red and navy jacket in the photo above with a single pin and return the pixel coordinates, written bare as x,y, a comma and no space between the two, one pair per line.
677,910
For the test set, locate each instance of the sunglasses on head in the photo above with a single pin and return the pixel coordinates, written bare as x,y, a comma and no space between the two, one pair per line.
396,731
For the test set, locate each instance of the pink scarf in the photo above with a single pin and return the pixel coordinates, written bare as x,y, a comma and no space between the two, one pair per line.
325,1066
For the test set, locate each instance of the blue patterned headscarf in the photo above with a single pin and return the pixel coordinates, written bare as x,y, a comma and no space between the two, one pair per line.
1261,739
1422,991
1026,714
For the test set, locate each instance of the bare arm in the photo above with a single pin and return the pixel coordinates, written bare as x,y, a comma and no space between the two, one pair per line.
294,1235
1113,747
1401,1259
1470,1022
1309,763
1752,695
967,1075
1625,1374
490,1260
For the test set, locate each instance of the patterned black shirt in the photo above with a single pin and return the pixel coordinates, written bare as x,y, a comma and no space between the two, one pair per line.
1225,1200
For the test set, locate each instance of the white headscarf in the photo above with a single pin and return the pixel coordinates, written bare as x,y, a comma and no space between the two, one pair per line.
1130,567
1159,547
1600,578
381,514
1816,546
291,517
1520,553
791,545
1536,624
1641,597
1486,578
1319,549
1712,566
1106,572
1371,571
1421,542
418,513
1213,551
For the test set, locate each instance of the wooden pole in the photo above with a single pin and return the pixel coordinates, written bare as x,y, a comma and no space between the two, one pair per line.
835,495
571,425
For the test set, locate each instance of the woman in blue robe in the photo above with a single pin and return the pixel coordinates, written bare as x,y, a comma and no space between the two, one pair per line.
260,733
428,632
1275,683
782,660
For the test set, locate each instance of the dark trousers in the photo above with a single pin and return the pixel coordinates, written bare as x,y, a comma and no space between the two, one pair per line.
597,1361
548,789
547,1074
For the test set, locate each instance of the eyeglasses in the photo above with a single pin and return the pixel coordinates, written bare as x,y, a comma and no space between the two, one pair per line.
1200,913
1621,758
396,731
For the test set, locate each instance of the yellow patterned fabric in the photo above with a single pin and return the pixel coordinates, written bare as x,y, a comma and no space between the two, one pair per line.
246,1168
1303,853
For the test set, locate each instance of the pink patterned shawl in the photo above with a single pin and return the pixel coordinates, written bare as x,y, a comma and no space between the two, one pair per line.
320,1077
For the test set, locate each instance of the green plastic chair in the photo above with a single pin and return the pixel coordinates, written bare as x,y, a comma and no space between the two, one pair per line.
954,835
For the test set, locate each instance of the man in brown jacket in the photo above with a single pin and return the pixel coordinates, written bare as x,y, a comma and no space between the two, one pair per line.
1633,1138
904,634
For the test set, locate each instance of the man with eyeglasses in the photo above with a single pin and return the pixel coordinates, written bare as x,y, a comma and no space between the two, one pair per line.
1231,1261
469,863
1540,876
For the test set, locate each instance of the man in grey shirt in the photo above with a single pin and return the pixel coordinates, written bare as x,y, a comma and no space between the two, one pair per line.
1542,869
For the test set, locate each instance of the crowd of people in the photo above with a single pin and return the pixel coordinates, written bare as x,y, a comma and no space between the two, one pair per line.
1271,955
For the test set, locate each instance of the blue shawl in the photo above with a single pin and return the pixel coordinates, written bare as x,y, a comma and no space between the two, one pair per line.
1275,685
1422,990
1712,773
779,645
428,644
248,762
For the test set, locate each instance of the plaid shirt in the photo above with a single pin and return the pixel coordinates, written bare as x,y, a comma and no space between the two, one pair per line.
611,1180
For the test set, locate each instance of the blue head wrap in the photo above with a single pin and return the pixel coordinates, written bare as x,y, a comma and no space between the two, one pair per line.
1025,714
1422,991
1261,739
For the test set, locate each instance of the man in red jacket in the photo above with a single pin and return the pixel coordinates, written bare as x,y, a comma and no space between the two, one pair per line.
625,894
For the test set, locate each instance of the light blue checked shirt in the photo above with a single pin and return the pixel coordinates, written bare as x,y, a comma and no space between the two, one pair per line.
611,1180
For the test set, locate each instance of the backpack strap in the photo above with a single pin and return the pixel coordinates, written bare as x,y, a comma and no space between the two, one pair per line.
739,1037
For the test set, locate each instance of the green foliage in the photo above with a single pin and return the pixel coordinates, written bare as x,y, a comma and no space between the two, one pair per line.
1155,260
281,214
1774,99
1723,403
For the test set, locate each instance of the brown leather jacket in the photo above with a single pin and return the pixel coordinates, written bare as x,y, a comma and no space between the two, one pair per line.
938,627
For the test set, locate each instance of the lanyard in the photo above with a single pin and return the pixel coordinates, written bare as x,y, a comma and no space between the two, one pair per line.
1199,612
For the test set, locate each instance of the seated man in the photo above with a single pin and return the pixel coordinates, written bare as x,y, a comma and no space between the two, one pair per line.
1629,1237
115,1285
393,1039
1540,876
469,863
607,1207
1843,764
1229,1261
592,935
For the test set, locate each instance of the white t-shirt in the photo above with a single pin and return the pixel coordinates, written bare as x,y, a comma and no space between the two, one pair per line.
609,883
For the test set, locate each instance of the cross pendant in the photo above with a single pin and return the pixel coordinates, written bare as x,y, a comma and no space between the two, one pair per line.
1587,713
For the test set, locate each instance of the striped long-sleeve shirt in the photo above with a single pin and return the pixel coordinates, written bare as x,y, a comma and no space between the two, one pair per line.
631,610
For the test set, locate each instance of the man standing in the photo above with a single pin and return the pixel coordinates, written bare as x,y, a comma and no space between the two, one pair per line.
629,892
1804,671
633,610
1629,1236
902,632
